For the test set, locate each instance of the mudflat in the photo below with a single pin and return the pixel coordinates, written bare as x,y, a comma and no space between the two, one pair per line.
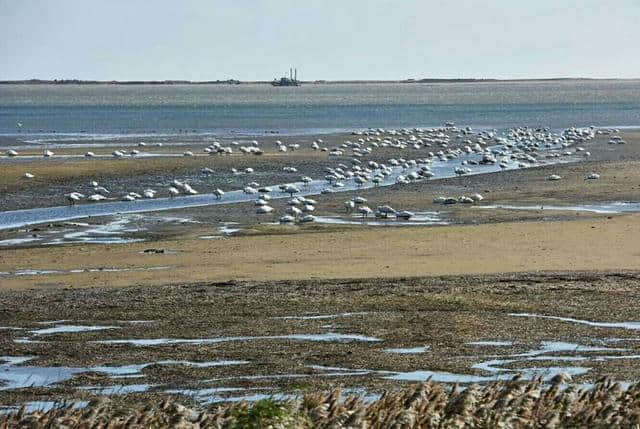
603,243
216,341
196,311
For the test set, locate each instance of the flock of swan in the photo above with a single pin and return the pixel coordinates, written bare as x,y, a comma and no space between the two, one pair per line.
522,146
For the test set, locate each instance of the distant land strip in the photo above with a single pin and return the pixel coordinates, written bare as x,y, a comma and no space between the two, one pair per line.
238,82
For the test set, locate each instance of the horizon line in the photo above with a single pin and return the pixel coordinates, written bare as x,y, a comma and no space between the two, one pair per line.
317,81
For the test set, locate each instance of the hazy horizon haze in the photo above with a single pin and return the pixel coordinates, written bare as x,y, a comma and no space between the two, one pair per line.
358,40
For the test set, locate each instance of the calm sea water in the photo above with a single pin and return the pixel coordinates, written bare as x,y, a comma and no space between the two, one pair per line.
59,112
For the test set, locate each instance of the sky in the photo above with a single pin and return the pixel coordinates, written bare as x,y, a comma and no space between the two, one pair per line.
324,39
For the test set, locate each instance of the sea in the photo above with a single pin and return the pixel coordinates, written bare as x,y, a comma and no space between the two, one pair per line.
55,112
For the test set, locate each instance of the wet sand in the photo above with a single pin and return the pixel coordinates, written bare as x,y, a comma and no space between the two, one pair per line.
279,253
476,241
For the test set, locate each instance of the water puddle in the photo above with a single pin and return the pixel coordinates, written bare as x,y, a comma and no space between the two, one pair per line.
546,353
27,340
15,360
29,272
324,371
220,394
325,337
110,233
605,208
225,230
43,406
253,398
412,350
121,389
32,272
420,218
115,231
444,377
320,316
623,325
419,375
491,343
59,329
195,393
226,394
15,376
363,394
18,241
495,367
22,377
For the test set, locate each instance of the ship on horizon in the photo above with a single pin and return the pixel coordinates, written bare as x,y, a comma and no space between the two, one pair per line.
292,80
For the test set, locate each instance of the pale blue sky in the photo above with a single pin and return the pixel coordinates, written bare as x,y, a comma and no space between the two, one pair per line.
331,39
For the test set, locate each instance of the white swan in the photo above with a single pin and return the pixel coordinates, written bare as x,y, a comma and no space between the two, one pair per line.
264,209
349,206
293,210
291,189
96,197
405,214
74,197
365,211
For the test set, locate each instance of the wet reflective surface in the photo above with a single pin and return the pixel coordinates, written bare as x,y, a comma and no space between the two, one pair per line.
613,207
441,169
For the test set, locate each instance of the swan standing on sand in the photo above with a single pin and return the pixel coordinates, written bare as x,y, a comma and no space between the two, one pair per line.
74,197
385,211
365,211
294,211
287,219
349,206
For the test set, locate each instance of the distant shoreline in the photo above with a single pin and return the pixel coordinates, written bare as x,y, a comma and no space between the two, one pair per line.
316,82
